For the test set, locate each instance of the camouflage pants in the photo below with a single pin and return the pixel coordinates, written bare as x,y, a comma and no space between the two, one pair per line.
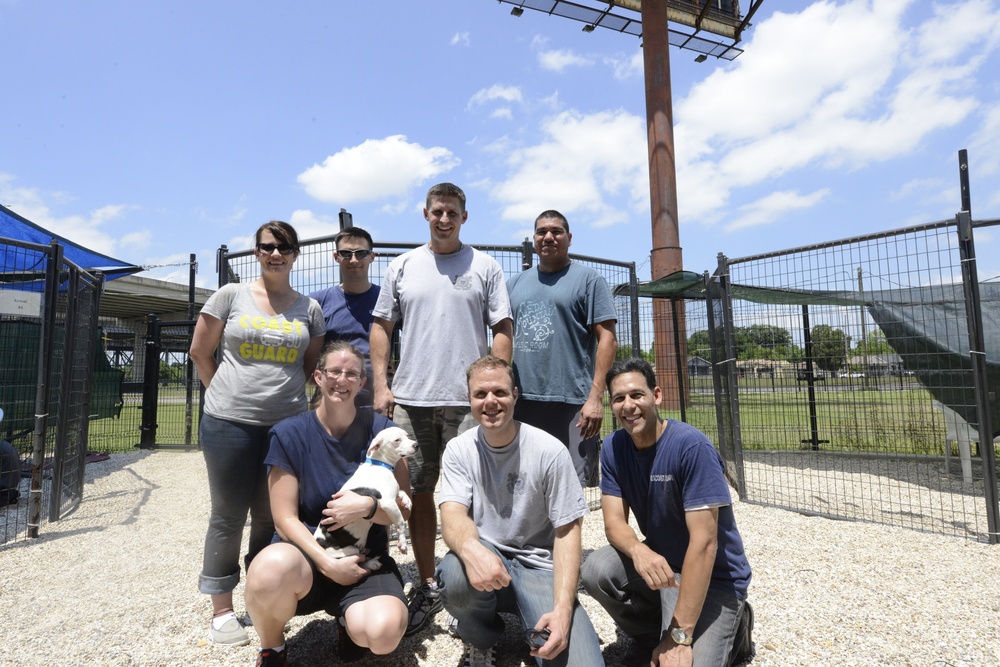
432,428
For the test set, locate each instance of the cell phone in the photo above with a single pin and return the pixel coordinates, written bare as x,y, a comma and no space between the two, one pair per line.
537,638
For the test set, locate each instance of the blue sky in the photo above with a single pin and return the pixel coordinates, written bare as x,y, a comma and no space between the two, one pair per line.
151,130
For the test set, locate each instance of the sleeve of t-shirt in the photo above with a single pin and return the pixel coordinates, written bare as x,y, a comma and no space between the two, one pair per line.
565,499
387,305
220,303
609,473
705,481
276,455
456,481
499,299
317,322
602,303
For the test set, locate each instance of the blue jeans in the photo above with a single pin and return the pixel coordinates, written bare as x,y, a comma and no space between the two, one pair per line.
237,483
642,613
529,595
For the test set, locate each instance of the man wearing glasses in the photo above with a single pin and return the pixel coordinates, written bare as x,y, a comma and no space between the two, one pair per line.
347,307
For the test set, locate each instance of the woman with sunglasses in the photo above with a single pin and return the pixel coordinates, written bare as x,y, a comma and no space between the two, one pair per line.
271,337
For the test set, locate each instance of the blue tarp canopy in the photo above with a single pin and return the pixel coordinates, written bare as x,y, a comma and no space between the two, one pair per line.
17,265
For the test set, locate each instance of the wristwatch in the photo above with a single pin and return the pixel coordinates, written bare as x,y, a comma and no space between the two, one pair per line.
680,637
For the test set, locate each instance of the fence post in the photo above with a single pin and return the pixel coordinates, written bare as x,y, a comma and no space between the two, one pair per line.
727,402
150,383
42,404
977,352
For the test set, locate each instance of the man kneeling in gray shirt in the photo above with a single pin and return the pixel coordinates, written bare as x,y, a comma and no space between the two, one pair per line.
512,508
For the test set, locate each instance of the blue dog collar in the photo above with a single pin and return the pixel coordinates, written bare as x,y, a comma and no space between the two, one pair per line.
376,462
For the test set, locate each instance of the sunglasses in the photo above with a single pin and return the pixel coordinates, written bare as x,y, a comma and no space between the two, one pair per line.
353,254
268,248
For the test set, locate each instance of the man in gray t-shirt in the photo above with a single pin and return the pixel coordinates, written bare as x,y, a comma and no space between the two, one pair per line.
564,344
512,511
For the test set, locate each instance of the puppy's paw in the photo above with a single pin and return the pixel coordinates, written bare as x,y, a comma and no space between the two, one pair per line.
404,500
372,565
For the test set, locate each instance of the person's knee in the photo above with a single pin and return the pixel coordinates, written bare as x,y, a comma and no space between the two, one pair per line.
274,572
453,581
593,571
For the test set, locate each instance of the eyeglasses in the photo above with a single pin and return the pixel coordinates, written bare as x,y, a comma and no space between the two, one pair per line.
268,248
353,254
334,373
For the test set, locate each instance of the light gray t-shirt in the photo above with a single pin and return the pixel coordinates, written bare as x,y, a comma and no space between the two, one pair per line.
260,379
517,495
446,303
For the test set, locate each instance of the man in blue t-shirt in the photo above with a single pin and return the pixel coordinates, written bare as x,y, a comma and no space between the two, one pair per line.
347,307
564,343
681,592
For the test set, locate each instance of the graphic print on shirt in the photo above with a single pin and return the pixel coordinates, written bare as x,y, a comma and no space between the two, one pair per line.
463,282
270,339
535,326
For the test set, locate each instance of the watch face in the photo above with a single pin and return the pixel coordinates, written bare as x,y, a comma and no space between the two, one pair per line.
680,637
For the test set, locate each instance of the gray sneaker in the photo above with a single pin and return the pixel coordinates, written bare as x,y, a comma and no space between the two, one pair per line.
424,603
475,657
228,630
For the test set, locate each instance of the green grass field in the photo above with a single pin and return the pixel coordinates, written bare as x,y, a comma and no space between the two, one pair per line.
775,416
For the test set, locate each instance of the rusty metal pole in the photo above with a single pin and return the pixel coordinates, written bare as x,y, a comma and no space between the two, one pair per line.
666,254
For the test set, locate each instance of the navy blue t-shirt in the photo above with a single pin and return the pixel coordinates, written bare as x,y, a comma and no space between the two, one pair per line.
322,463
349,317
682,470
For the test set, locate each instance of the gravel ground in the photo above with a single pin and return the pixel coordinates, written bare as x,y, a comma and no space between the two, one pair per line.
115,583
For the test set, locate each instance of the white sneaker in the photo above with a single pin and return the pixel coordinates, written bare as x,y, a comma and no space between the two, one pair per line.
474,657
228,630
452,624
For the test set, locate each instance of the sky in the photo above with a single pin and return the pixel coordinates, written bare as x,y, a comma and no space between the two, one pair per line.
151,130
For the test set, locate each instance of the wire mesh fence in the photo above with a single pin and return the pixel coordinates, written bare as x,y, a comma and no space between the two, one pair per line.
48,346
315,269
853,388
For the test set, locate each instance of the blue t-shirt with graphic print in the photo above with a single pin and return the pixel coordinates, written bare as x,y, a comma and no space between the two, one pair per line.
682,470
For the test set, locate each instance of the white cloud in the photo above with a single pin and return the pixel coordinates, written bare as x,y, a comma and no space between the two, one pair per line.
559,60
377,169
494,93
88,230
503,113
137,240
626,67
798,97
308,225
583,162
460,39
775,205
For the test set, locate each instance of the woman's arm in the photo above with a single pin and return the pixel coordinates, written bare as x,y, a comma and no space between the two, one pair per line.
284,490
206,339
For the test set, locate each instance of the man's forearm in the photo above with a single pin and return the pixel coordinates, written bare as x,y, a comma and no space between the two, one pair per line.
566,565
378,342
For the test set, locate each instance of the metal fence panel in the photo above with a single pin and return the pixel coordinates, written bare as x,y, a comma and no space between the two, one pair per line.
849,426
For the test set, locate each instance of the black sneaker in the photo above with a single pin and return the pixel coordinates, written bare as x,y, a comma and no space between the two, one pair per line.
268,657
640,652
424,603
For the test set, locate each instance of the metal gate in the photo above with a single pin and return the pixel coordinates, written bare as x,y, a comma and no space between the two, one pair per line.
171,392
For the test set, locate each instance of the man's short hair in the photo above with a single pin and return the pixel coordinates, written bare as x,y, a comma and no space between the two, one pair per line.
489,362
446,190
553,214
353,233
631,365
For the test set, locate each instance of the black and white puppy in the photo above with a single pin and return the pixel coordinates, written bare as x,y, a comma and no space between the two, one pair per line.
373,478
